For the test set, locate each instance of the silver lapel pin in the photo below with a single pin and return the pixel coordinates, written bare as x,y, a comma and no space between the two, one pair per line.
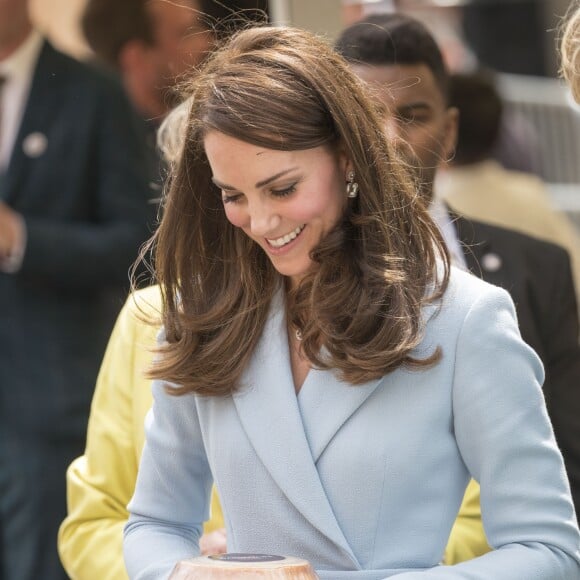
491,262
34,144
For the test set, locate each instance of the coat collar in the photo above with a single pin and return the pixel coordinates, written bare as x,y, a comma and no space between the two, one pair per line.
289,434
483,257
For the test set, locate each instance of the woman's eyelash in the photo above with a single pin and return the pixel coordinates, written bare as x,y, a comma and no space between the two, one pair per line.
284,192
230,198
233,198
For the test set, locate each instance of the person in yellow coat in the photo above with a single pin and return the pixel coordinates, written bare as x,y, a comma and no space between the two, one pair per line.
100,483
467,539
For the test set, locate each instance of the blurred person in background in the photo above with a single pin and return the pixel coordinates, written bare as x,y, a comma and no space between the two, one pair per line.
517,146
150,44
100,483
404,69
477,186
74,210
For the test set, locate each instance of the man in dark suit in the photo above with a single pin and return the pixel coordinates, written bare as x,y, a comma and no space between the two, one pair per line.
404,68
74,209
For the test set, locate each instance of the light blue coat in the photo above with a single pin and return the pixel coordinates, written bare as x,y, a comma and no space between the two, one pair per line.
366,481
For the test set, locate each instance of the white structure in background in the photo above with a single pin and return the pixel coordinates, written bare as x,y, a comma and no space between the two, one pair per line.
370,6
280,12
547,105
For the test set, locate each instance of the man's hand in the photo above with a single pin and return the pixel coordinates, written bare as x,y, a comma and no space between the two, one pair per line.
11,231
12,238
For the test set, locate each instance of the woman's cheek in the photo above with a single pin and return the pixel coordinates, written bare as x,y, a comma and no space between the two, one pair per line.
235,215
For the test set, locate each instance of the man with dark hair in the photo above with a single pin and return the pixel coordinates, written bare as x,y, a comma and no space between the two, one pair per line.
376,50
404,69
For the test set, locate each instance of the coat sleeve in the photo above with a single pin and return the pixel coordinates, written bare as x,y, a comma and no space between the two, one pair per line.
101,482
506,440
171,498
557,319
562,387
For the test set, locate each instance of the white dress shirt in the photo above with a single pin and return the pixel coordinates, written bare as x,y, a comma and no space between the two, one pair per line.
18,69
441,217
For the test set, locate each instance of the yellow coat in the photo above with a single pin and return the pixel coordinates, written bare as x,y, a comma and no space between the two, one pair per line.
101,482
467,539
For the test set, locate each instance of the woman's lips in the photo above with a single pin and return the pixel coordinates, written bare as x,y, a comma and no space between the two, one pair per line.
286,242
286,238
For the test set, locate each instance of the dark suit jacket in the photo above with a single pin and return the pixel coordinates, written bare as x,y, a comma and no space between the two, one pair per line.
86,202
538,276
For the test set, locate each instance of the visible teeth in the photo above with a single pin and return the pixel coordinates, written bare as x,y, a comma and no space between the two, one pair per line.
279,242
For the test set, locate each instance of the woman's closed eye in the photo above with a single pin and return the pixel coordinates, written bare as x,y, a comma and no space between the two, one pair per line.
231,197
234,197
284,192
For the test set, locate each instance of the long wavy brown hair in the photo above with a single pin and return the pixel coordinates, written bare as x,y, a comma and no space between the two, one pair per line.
286,89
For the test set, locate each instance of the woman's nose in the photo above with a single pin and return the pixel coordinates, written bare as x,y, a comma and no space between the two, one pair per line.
263,220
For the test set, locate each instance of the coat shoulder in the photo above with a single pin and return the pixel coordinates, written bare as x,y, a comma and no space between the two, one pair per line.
465,290
524,244
61,68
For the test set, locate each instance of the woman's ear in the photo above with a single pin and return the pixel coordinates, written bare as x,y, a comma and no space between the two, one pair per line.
344,161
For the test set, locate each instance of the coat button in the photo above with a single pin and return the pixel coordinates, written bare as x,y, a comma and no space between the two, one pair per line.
35,144
491,262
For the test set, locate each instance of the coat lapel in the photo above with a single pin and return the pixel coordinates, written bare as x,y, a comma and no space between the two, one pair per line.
326,404
482,257
269,412
33,136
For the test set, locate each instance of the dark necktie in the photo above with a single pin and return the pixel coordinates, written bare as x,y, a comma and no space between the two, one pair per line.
2,170
2,81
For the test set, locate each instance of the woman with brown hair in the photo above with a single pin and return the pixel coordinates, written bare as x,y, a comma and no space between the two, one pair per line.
320,361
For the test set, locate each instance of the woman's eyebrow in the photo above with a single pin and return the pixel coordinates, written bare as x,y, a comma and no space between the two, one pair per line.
258,185
274,177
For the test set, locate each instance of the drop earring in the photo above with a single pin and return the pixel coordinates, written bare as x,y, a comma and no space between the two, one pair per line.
351,186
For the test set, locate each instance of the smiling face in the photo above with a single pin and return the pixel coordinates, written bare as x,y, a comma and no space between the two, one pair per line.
286,201
418,119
